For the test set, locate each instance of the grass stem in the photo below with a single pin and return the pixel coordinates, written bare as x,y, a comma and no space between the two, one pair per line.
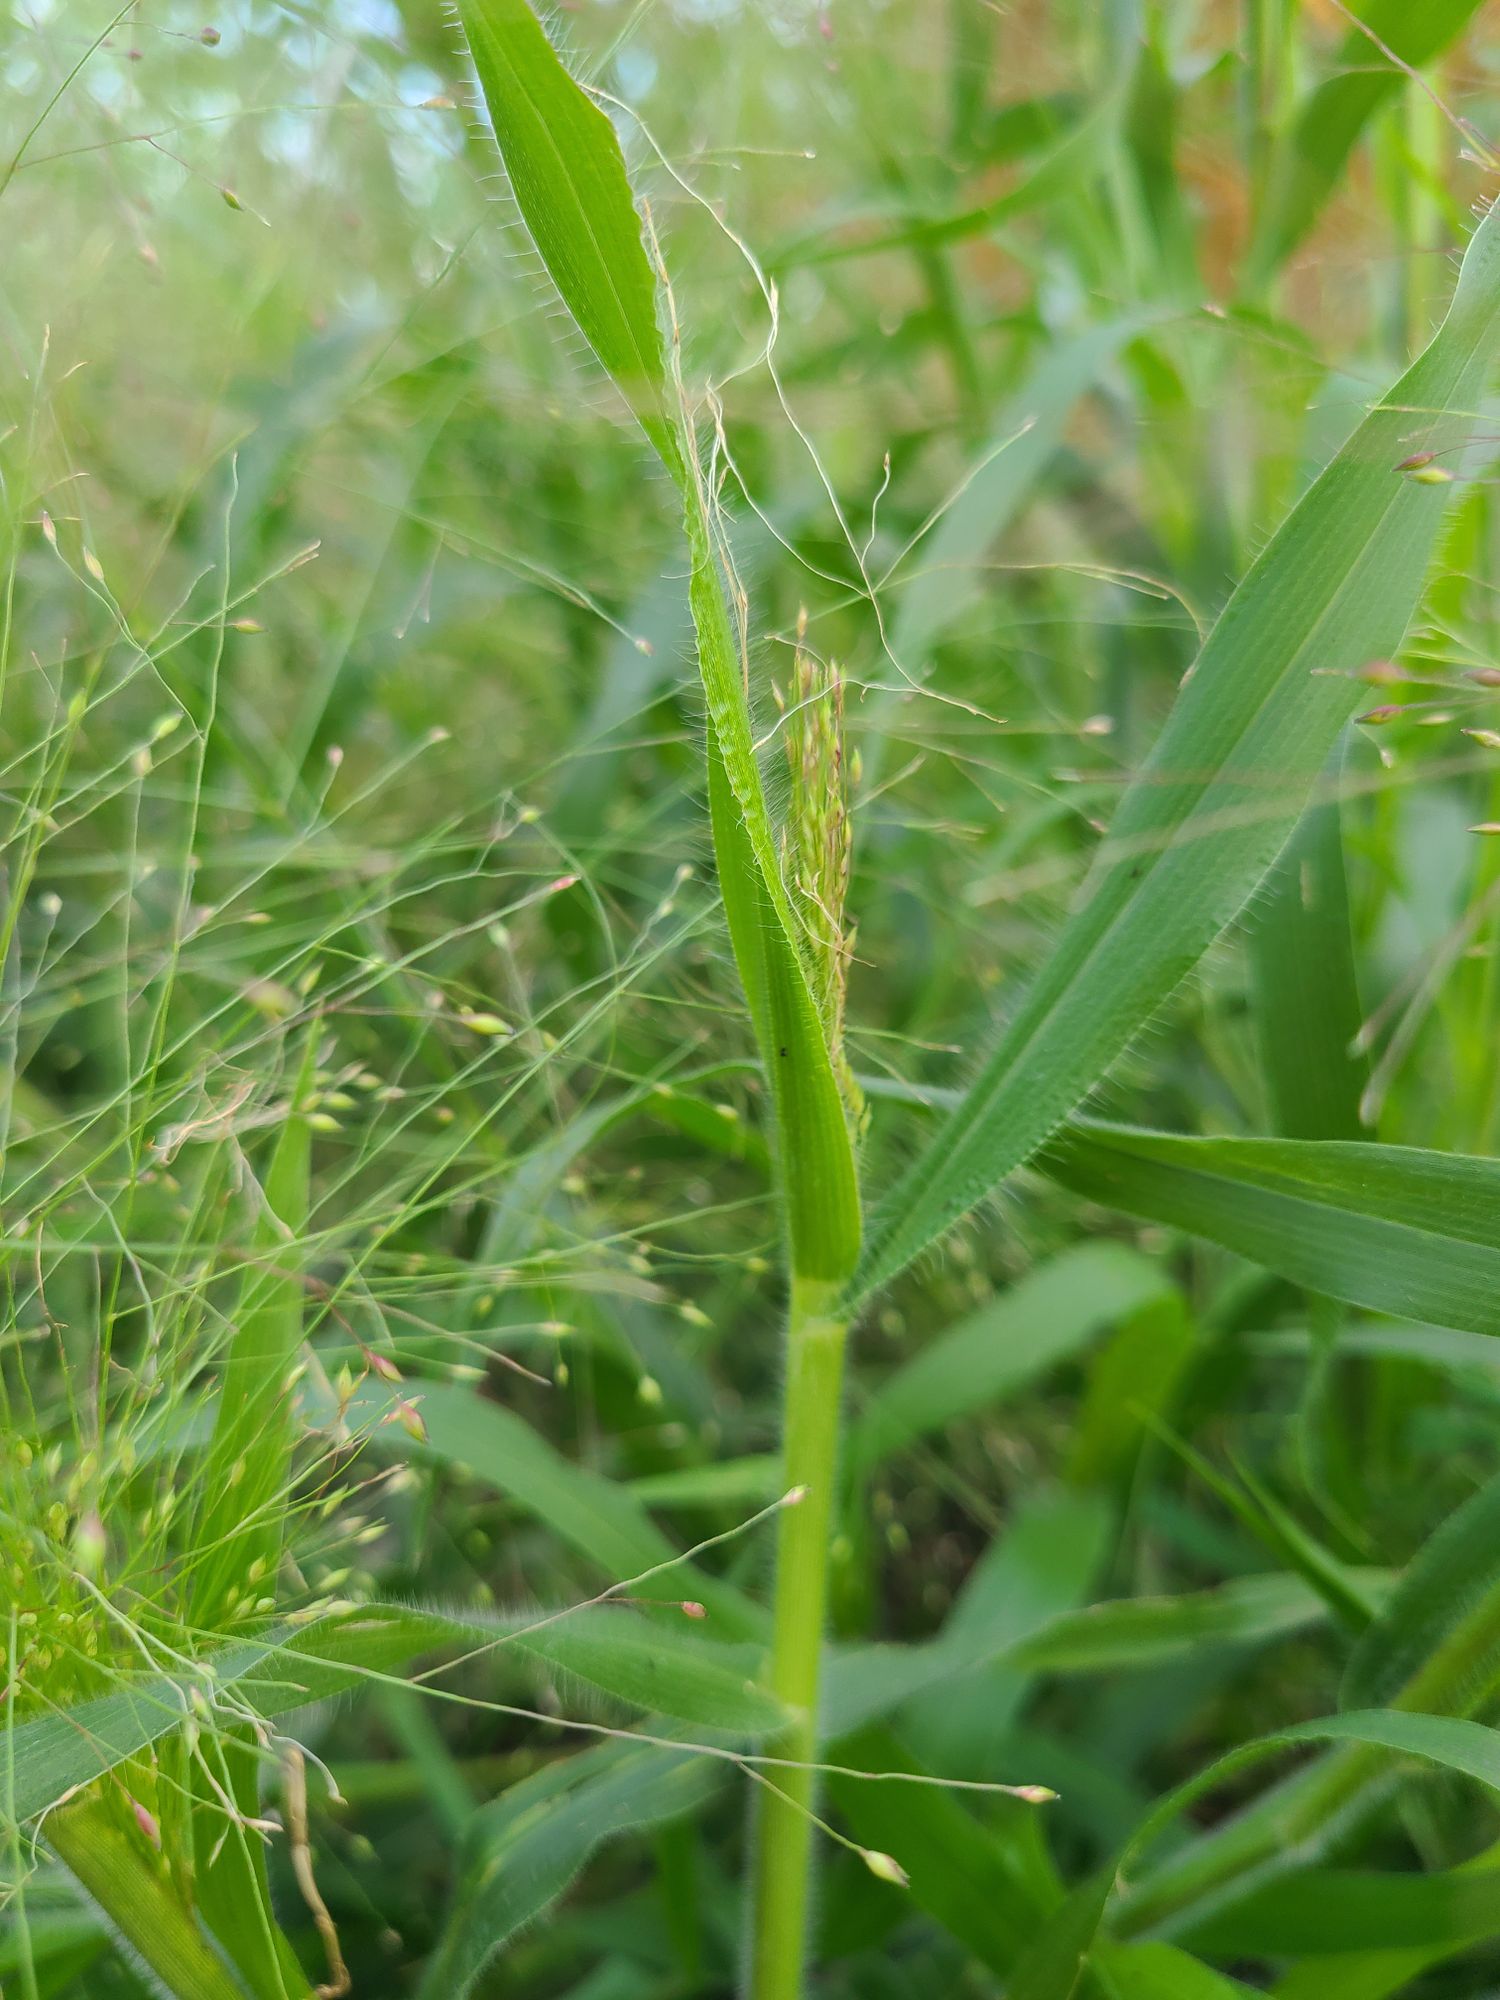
783,1857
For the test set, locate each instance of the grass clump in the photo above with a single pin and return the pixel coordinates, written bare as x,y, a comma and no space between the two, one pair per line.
747,986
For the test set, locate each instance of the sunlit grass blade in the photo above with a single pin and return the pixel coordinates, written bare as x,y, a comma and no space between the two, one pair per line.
1392,1228
1228,777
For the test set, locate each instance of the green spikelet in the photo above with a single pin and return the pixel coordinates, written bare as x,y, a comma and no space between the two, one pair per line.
817,844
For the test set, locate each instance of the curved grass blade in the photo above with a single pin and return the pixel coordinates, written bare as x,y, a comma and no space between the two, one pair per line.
604,1522
1133,1632
641,1662
1444,1617
1327,1911
523,1852
1374,1973
1392,1228
94,1843
1054,1969
568,176
1046,1317
1229,776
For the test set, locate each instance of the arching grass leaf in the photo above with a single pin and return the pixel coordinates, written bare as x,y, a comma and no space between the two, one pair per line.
522,1853
1392,1228
648,1664
1229,775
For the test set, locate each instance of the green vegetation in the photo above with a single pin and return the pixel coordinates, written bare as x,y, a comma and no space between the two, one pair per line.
750,1002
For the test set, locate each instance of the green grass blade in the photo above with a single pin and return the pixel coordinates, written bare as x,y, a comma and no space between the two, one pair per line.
523,1852
656,1668
1442,1618
1148,1631
1331,1910
1044,1567
568,175
815,1157
647,1664
1392,1228
1131,1386
112,1863
1161,1972
231,1883
1328,127
962,1873
245,1470
568,178
1304,997
1455,1744
1303,987
1228,778
590,1513
1044,1319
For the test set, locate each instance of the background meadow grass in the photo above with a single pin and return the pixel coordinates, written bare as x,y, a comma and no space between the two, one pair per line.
364,985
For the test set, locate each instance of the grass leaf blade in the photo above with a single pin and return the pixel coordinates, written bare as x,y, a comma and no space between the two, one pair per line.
1392,1228
1229,776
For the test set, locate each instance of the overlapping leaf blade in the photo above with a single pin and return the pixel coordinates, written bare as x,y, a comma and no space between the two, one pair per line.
1053,1969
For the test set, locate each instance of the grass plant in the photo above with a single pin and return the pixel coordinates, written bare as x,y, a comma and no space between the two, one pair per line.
751,1238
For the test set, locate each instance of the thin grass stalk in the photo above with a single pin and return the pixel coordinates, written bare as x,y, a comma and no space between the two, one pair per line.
784,1827
569,179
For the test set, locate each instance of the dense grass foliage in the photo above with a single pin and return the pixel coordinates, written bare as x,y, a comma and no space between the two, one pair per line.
750,1001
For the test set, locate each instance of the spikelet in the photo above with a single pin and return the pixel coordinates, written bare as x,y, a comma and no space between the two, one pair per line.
817,845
